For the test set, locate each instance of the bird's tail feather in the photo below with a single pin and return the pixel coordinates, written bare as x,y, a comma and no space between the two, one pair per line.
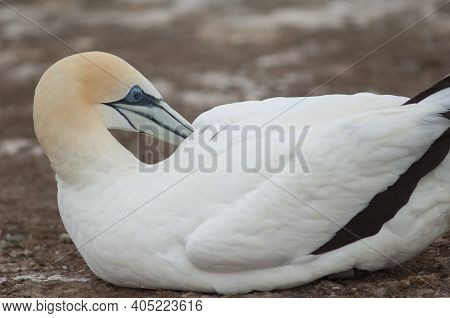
397,195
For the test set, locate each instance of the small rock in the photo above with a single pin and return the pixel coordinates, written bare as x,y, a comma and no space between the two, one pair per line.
14,239
406,282
64,267
335,287
379,292
65,238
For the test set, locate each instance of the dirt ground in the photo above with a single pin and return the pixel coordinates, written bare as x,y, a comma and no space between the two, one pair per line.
202,53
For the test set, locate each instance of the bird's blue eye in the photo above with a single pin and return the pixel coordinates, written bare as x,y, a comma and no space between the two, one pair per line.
135,95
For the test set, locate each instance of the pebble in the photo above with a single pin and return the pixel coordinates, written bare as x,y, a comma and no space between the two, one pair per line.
379,292
65,238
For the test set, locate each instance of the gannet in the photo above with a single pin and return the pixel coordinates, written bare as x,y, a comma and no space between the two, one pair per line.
374,194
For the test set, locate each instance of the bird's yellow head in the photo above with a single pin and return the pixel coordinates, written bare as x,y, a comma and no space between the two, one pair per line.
84,90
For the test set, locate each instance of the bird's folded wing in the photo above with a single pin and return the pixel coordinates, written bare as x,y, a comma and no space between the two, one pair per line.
295,110
290,215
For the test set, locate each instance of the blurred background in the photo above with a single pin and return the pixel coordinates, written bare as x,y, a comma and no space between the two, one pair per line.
199,54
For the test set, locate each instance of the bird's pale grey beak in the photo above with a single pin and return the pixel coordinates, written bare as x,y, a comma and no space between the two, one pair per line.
154,117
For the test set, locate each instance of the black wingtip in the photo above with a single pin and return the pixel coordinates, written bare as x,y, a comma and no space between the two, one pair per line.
439,86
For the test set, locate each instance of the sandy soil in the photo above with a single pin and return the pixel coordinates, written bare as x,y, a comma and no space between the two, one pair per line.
201,53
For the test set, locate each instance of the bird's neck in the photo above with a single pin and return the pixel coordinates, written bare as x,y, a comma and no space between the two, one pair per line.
101,155
84,151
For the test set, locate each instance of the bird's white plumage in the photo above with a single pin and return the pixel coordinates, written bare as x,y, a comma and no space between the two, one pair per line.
351,159
236,231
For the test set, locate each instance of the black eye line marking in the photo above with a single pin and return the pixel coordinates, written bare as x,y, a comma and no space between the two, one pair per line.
146,100
142,102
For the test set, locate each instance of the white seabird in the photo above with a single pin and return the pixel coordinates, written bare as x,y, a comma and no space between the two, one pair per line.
375,194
